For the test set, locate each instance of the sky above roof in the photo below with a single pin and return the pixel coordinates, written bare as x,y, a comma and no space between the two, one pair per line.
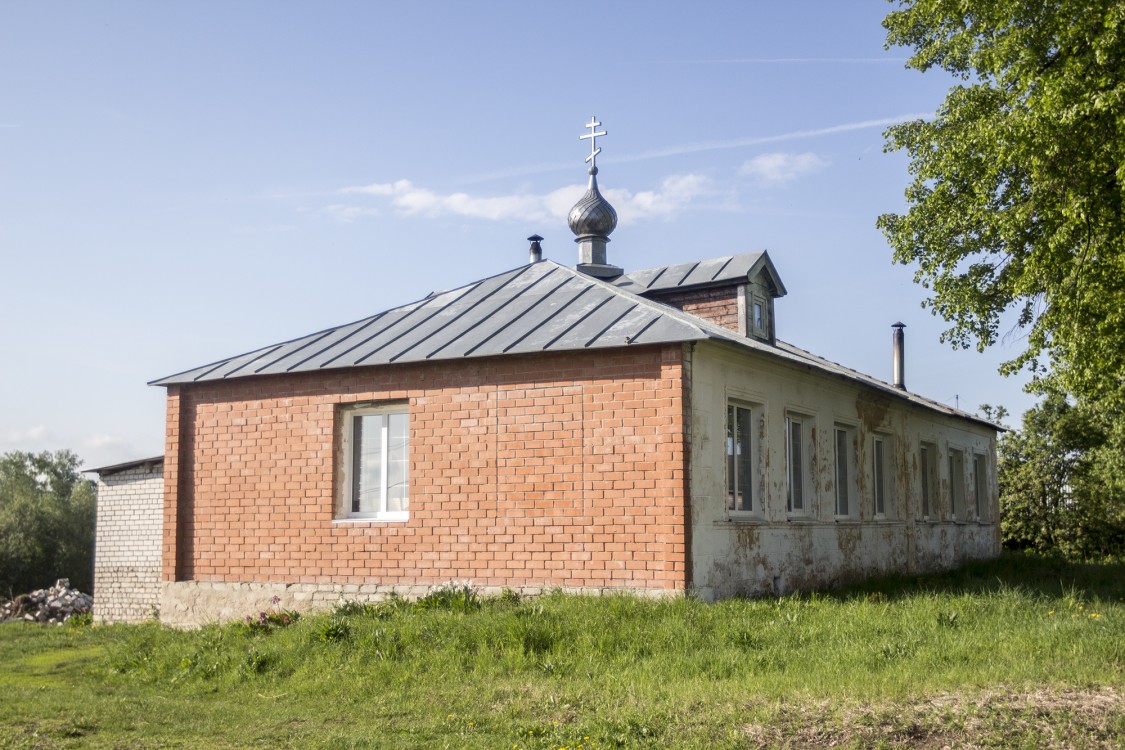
183,182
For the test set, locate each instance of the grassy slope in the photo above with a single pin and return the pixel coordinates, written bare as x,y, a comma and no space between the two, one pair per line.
1018,653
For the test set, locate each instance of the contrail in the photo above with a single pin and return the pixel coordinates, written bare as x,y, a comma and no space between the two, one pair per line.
694,148
798,60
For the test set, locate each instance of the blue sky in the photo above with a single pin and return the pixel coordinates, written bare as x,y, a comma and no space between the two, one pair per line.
180,182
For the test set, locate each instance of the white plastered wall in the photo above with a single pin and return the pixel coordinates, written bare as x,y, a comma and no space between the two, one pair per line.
775,551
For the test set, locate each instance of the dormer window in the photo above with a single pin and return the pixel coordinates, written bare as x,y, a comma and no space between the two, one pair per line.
759,323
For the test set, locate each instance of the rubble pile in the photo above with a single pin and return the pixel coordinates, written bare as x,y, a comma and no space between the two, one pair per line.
51,606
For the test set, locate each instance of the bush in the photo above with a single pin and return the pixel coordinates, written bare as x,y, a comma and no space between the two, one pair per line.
1060,484
46,522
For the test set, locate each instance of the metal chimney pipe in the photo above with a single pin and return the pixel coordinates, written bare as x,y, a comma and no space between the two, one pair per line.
899,354
536,252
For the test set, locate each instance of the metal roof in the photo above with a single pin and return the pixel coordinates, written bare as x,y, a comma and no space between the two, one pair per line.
118,468
834,368
540,307
713,272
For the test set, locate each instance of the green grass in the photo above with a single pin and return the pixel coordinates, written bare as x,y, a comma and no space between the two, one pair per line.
1021,652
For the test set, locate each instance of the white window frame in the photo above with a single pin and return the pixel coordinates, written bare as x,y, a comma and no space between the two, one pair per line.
981,485
346,499
928,479
802,471
956,465
882,476
848,465
752,464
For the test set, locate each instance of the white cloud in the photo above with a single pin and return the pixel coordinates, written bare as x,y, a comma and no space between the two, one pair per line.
778,167
378,188
674,193
101,440
35,434
345,213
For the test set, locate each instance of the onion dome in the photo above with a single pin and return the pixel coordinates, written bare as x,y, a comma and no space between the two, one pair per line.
592,218
592,215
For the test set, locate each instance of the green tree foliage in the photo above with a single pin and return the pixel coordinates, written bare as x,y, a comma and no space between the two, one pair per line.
46,522
1017,198
1060,490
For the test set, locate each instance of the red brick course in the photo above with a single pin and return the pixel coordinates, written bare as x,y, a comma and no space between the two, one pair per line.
716,304
552,470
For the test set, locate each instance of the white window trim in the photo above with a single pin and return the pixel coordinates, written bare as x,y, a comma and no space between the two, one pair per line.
757,508
853,469
886,482
931,481
982,504
808,455
957,485
344,512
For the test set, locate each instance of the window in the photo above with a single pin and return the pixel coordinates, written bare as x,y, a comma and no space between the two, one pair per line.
957,484
742,463
928,474
980,484
880,474
844,450
758,316
798,435
376,463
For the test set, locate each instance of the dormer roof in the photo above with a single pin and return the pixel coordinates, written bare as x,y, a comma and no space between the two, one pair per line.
731,269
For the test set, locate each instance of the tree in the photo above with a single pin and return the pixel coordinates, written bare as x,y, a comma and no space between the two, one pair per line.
1058,491
46,521
1017,198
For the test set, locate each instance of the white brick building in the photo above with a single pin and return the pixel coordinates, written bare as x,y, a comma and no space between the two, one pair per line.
128,540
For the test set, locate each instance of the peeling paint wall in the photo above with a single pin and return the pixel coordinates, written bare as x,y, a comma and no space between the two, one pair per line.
773,550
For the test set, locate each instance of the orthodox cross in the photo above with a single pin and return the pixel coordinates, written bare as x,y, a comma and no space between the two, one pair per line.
593,125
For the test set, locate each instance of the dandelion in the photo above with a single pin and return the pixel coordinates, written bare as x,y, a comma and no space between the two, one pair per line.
1051,612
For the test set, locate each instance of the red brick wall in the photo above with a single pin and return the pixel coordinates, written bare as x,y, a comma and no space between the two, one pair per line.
717,304
552,470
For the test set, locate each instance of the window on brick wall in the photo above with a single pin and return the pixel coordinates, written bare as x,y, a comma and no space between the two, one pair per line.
376,463
742,451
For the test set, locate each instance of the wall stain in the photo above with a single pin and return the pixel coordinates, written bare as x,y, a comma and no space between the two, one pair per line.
872,409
